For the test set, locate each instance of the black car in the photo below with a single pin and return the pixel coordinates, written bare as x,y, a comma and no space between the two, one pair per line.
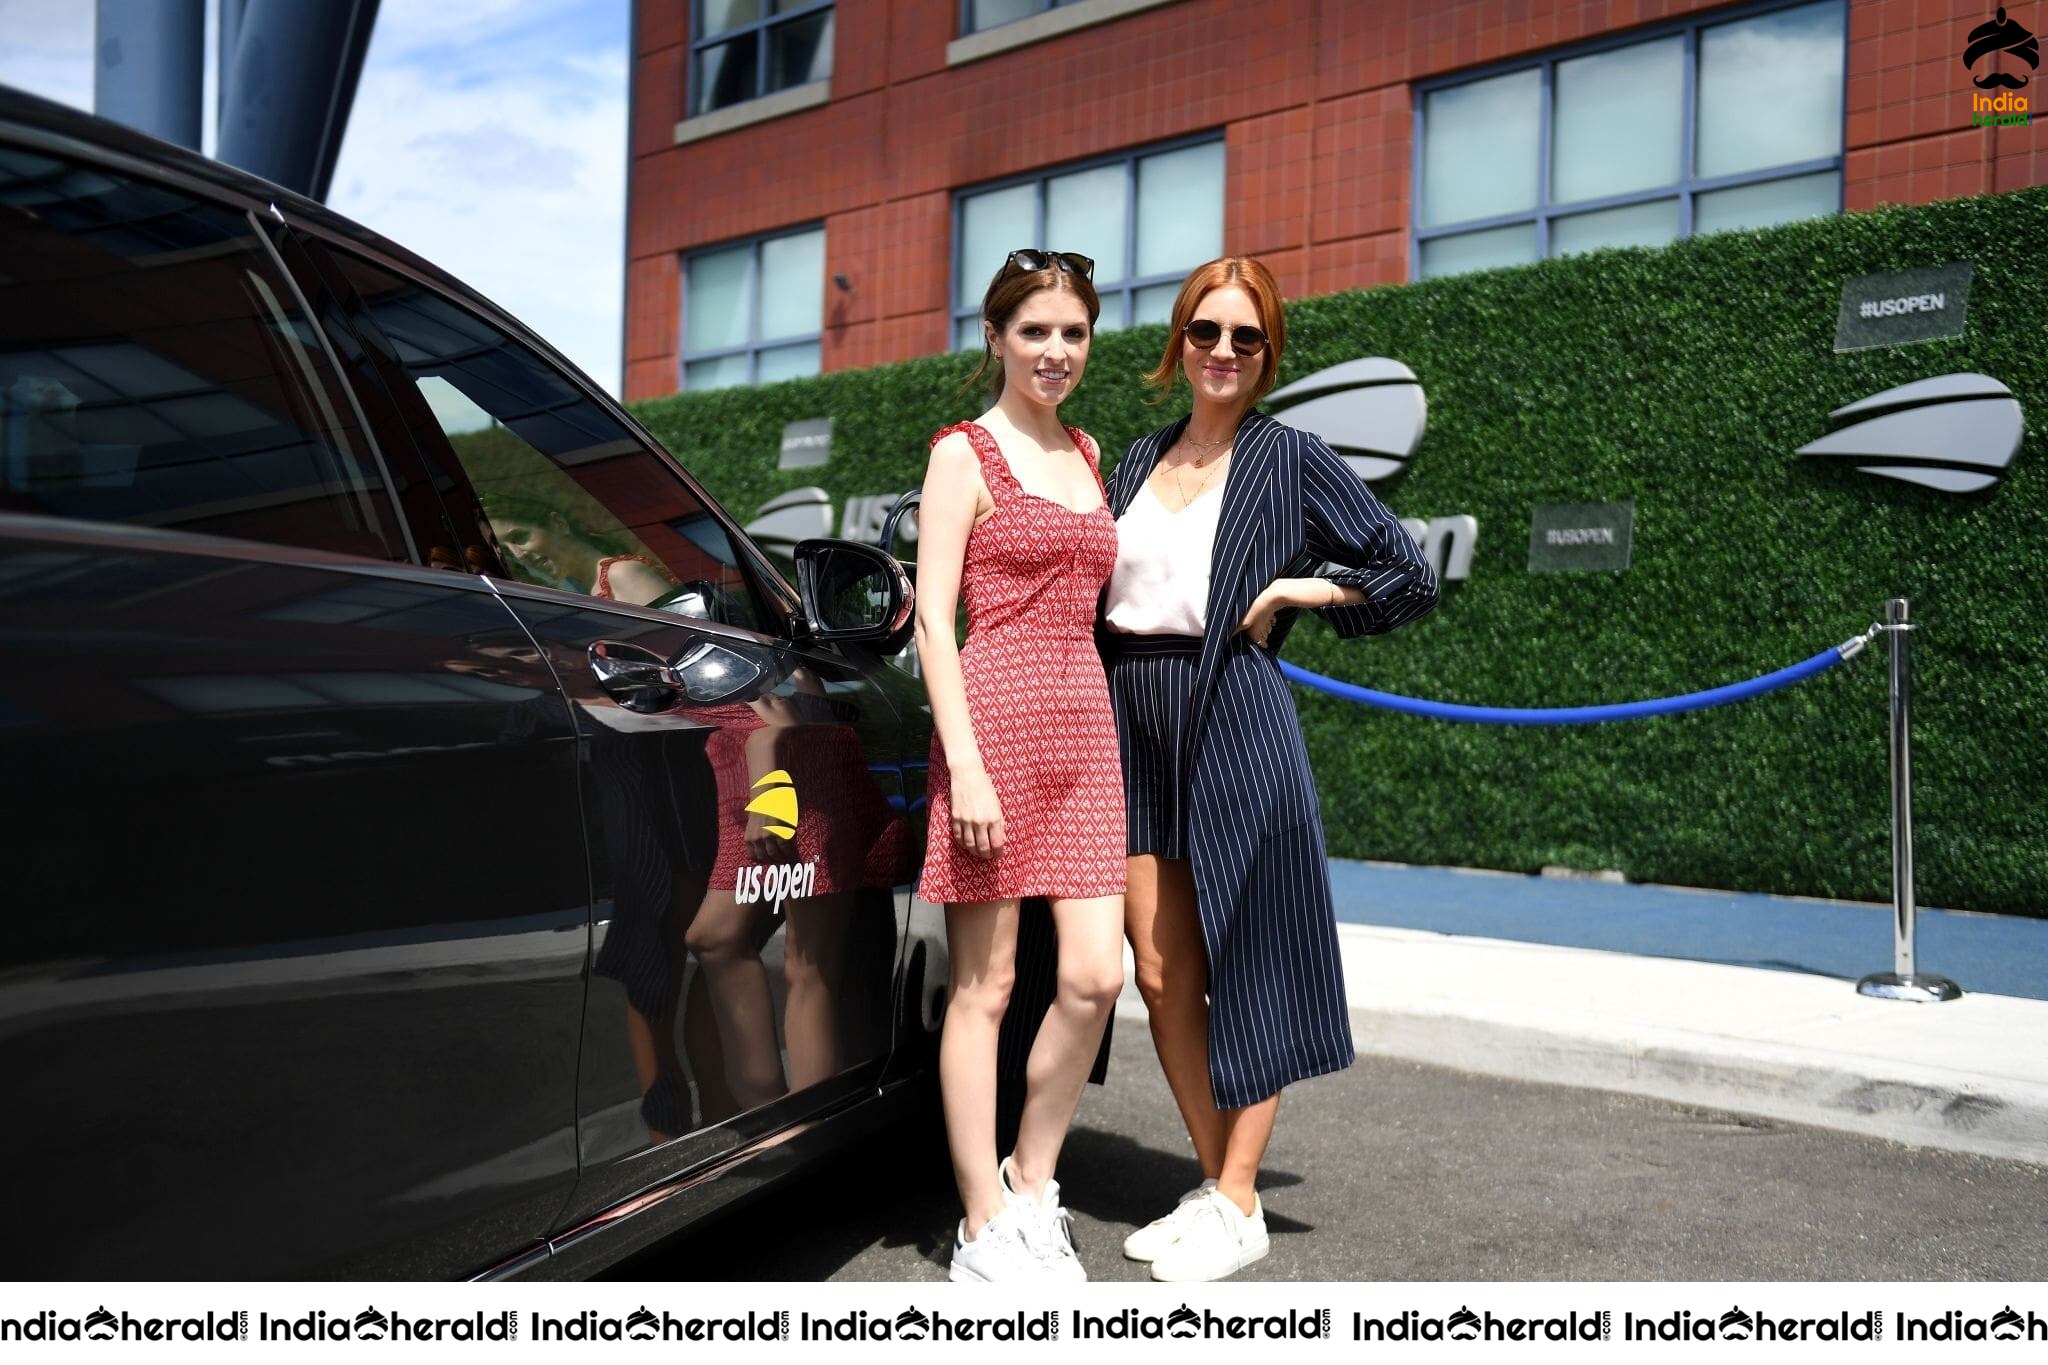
440,843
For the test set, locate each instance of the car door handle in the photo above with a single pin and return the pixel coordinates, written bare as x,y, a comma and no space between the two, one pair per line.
635,678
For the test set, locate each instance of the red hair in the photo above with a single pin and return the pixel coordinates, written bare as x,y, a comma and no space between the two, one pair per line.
1248,274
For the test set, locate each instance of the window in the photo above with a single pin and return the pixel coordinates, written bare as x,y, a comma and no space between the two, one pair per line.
155,368
1716,125
744,49
754,313
976,15
1147,219
564,495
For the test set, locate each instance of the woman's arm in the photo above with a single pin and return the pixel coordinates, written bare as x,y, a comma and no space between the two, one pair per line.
954,498
633,581
1381,579
1384,580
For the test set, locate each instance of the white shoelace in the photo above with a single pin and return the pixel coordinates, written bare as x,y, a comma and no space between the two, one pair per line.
1048,1232
1188,1209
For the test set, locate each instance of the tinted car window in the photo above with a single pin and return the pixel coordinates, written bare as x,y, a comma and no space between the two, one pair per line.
567,495
154,368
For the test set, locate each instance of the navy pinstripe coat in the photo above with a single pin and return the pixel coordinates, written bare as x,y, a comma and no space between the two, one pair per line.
1277,1011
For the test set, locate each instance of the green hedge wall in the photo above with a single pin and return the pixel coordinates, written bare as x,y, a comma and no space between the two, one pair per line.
1683,378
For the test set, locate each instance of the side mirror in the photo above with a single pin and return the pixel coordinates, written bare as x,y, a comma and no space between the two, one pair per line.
854,593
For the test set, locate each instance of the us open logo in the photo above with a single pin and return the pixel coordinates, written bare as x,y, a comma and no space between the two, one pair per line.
776,882
1372,412
1956,434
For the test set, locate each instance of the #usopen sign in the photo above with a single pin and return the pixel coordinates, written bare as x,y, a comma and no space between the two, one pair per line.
1582,537
1899,309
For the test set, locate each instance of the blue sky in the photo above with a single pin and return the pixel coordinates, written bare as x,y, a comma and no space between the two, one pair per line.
487,135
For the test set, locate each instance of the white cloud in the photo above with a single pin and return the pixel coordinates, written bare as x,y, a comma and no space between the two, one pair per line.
490,137
487,135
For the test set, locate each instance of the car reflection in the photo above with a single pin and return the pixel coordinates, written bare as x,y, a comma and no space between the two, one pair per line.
745,856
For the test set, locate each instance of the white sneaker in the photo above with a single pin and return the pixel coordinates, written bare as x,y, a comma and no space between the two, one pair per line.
1218,1240
1048,1227
1000,1253
1156,1236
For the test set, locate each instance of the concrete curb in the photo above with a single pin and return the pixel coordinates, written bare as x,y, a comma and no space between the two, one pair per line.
1967,1076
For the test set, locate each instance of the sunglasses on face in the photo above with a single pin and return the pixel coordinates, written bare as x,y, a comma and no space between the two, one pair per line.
1029,258
1243,340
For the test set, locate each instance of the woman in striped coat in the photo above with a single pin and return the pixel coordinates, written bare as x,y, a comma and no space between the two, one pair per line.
1229,525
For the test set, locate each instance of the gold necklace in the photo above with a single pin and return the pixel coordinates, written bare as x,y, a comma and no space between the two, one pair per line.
1181,488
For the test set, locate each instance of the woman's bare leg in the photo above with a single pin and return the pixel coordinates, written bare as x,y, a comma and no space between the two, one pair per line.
981,946
813,965
1091,975
1165,930
724,938
1173,979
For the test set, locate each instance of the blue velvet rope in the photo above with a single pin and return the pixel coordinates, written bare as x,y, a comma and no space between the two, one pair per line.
1571,715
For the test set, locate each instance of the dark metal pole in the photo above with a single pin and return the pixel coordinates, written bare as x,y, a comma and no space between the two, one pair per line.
149,67
1902,982
287,96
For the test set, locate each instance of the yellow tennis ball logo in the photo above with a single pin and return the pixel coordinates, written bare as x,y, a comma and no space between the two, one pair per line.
776,804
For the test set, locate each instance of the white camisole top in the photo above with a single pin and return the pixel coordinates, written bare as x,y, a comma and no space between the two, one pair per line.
1160,585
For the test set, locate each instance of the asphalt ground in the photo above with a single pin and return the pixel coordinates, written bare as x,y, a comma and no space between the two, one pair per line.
1396,1171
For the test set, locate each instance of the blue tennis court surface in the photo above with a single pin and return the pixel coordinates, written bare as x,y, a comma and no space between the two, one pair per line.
1994,954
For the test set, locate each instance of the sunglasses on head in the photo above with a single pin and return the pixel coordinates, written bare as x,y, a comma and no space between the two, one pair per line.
1243,340
1030,258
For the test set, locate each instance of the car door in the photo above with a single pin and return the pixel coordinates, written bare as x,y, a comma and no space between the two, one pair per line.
741,793
292,985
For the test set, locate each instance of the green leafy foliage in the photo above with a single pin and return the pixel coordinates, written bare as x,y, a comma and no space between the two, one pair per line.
1683,378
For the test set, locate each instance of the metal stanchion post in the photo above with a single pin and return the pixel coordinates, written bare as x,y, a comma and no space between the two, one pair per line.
1902,982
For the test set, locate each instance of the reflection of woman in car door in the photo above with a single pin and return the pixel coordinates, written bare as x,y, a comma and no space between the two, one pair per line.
840,819
556,550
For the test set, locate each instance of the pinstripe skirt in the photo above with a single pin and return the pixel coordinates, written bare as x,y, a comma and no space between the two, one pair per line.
1151,686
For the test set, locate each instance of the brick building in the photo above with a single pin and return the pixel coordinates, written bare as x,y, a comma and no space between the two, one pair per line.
817,186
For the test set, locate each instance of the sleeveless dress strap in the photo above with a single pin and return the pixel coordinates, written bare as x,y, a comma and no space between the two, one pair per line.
995,469
1085,443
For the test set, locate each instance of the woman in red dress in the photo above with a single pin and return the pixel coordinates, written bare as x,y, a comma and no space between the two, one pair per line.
1026,793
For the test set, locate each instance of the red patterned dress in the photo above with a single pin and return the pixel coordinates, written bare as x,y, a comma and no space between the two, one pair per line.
1036,697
